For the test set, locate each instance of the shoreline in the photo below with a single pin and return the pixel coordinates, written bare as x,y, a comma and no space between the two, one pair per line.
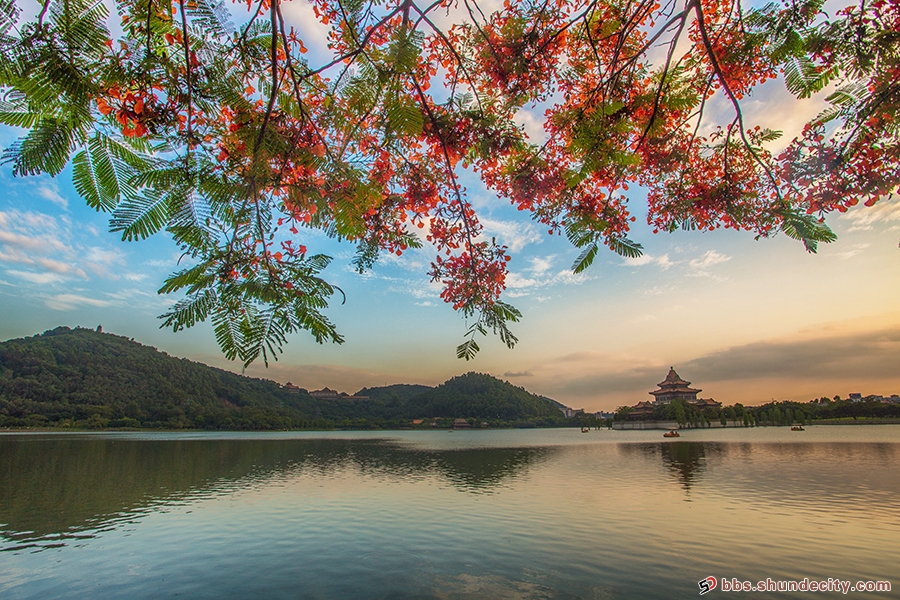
848,421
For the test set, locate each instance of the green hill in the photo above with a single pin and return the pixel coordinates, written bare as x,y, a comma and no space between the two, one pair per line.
475,395
84,378
400,392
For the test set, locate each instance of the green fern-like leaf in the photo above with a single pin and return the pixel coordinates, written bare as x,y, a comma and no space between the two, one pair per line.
467,350
585,259
142,216
45,149
625,247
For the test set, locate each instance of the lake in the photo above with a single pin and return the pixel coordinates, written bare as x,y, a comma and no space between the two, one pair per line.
433,514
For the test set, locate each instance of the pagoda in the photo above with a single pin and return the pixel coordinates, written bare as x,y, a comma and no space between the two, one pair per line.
674,387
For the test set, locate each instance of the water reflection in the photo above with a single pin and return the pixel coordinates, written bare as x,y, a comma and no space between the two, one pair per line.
686,461
505,514
775,472
58,489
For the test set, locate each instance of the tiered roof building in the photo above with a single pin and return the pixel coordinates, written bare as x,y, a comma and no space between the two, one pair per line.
671,388
674,387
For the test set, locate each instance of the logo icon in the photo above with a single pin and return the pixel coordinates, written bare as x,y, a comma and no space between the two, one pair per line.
707,585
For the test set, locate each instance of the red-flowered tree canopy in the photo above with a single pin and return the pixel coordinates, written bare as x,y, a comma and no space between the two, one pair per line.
229,138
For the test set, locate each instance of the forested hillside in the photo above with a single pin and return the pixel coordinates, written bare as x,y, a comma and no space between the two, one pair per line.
484,397
83,378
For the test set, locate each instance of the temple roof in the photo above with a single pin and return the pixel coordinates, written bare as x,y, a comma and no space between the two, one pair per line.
674,384
674,390
673,379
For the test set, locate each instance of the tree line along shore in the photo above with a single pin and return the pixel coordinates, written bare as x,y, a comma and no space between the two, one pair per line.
822,411
83,379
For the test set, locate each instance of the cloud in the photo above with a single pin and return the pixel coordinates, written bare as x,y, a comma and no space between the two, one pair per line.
518,374
699,266
516,281
540,265
36,240
663,262
103,256
520,285
161,263
72,301
421,290
864,218
863,354
408,261
41,242
39,278
857,249
49,191
709,259
659,290
823,362
514,234
772,105
59,266
532,124
309,28
643,319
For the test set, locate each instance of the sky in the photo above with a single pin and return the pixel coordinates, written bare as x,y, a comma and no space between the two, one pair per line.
745,320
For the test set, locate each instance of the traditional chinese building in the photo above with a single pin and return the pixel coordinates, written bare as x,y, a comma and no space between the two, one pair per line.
674,387
702,403
330,394
641,411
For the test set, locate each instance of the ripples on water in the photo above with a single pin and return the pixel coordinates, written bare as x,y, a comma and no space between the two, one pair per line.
503,514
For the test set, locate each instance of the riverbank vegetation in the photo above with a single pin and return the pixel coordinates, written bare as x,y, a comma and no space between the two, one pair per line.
822,410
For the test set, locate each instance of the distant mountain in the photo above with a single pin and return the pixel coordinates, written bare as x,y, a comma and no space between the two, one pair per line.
483,397
83,378
399,392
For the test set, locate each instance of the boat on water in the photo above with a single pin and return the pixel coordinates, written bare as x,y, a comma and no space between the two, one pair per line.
672,433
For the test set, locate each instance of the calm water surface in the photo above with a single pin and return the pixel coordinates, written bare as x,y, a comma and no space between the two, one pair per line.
469,514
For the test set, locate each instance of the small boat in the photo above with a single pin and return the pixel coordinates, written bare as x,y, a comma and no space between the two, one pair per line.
585,430
797,428
672,433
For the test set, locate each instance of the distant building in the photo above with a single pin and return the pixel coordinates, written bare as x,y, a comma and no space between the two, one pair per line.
325,394
641,410
330,394
702,403
418,421
291,388
571,412
855,397
461,424
673,387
